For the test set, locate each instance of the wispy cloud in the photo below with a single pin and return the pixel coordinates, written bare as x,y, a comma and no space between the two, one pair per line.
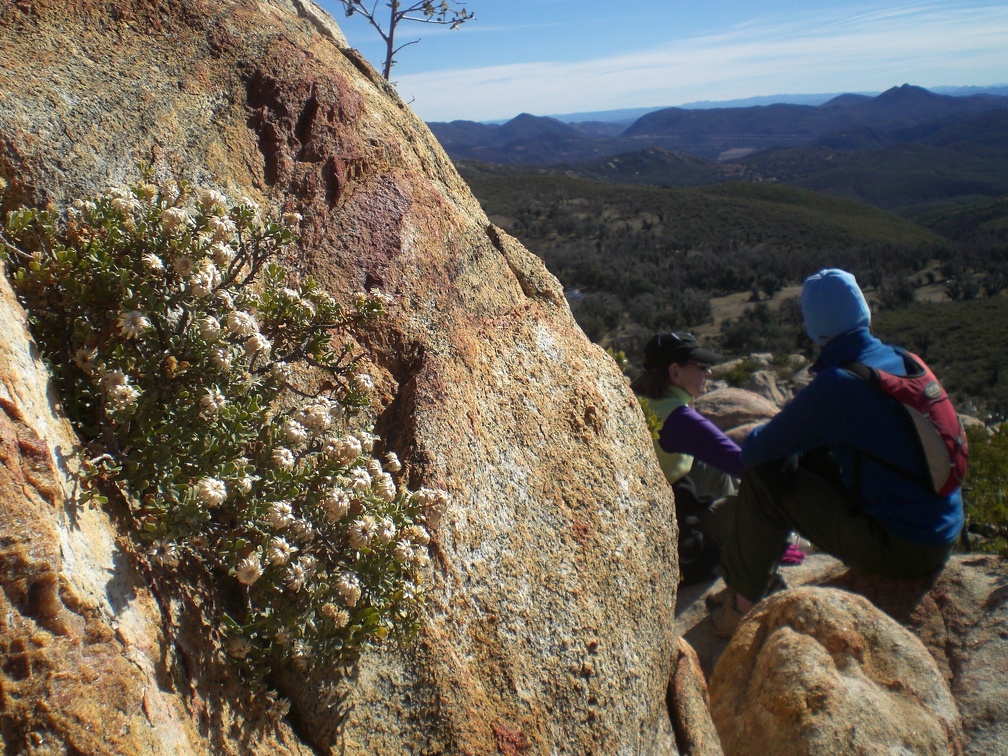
841,50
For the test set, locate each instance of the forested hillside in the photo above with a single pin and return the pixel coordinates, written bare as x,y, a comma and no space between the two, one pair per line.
652,228
638,259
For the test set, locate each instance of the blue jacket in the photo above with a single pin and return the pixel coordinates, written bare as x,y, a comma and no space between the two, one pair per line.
840,411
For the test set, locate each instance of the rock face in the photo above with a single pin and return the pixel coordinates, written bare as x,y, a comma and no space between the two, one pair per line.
963,621
818,670
736,411
549,626
730,408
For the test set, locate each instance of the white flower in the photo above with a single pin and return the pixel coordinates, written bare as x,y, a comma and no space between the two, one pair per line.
335,503
86,359
212,491
294,578
420,558
316,417
202,285
343,450
125,205
242,324
392,463
220,358
170,191
363,383
277,708
183,265
339,617
367,441
221,228
294,432
289,294
403,551
362,531
374,467
173,316
114,378
302,530
121,205
245,483
302,654
153,263
348,587
212,402
175,219
223,253
249,204
210,328
417,534
385,487
248,570
279,551
132,324
257,344
280,371
386,530
284,637
164,552
225,300
85,206
360,479
211,200
117,191
283,459
291,219
433,502
239,646
149,192
210,269
123,398
280,515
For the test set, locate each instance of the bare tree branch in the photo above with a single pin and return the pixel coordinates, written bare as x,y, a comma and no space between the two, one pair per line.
442,12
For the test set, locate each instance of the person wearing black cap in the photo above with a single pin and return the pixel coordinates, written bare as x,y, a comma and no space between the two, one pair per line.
841,464
699,461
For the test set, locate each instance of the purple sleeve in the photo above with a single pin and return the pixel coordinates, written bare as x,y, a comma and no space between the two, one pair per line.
686,431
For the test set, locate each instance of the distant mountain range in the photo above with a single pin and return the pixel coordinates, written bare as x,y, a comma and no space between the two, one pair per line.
905,114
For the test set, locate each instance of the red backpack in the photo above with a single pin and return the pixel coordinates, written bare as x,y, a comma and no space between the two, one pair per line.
941,434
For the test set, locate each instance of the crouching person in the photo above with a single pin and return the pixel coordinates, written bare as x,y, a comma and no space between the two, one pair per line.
842,464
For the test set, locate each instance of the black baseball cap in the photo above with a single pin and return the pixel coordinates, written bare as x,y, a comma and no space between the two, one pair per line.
665,348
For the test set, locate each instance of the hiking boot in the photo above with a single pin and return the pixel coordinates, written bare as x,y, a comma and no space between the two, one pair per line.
726,618
713,600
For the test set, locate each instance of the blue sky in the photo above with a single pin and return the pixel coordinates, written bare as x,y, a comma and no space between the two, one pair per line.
550,57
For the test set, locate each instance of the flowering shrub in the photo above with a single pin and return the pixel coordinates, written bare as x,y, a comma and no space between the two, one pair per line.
172,333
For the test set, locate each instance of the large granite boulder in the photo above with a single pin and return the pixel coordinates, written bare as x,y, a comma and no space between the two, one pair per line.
736,411
819,670
961,617
549,624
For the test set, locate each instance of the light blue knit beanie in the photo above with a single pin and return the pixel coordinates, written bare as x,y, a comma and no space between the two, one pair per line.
832,304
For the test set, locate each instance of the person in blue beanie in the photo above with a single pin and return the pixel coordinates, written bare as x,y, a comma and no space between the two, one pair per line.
841,464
